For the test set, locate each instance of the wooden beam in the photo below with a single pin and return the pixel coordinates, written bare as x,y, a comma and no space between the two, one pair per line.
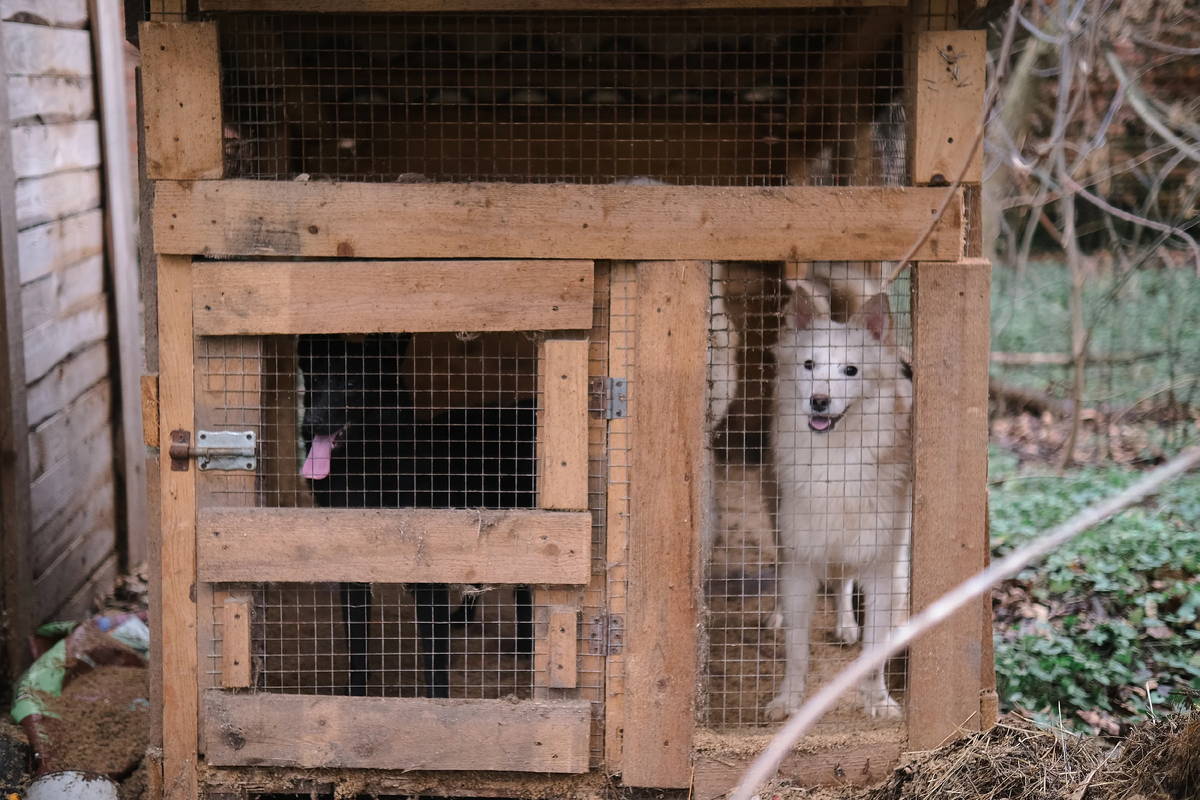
239,298
404,545
718,772
150,410
235,643
508,220
951,81
563,635
951,334
563,475
16,527
181,92
108,36
670,383
180,690
481,6
396,733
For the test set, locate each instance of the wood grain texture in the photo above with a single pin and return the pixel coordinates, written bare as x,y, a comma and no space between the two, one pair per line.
39,99
64,194
238,298
509,220
180,690
44,149
72,378
108,35
563,635
42,50
951,81
181,96
951,338
394,545
396,733
479,6
563,472
150,409
669,380
61,293
59,244
56,438
859,765
235,643
59,13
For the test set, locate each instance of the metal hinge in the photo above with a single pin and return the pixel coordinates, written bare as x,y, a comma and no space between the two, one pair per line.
216,450
606,635
608,398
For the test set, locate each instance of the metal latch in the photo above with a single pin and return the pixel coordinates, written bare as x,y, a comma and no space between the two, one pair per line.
219,450
608,398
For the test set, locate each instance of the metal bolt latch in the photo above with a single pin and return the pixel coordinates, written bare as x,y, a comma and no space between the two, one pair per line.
214,450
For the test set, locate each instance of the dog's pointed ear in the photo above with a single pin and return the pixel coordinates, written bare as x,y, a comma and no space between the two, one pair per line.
875,316
805,306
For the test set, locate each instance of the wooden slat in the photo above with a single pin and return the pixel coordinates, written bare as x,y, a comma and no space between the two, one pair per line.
503,220
235,643
154,599
950,370
181,94
855,764
41,50
74,521
563,477
180,690
56,438
481,6
60,293
563,636
394,545
38,99
44,149
108,33
48,344
396,733
150,409
95,543
59,244
41,200
84,465
59,13
73,377
669,381
238,298
951,80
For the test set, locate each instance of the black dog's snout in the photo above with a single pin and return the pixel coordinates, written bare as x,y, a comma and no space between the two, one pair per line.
820,403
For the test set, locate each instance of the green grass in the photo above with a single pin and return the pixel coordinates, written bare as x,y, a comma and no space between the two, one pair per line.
1118,605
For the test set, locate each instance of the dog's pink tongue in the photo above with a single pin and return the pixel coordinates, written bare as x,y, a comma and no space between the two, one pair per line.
316,466
817,423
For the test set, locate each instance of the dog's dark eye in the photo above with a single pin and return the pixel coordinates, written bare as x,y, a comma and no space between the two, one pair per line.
808,365
850,371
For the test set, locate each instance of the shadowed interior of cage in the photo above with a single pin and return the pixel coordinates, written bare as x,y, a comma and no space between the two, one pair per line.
754,97
810,414
392,421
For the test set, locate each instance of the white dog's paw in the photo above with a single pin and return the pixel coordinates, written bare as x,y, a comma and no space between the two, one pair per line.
847,628
880,705
787,702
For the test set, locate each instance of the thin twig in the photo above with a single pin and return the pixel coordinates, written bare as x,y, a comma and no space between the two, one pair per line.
765,766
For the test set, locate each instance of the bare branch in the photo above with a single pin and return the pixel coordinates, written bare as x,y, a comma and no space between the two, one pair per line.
1137,100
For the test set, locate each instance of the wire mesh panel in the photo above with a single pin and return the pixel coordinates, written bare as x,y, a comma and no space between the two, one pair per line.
807,551
726,98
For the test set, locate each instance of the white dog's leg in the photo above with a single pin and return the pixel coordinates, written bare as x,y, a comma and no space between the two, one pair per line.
900,586
877,584
847,625
798,587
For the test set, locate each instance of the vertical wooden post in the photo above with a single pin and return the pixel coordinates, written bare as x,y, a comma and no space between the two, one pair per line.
180,688
235,643
951,342
16,526
108,39
670,382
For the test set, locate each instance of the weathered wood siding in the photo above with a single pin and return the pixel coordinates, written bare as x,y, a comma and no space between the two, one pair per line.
65,308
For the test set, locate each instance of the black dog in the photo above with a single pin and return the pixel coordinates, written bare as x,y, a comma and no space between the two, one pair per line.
366,449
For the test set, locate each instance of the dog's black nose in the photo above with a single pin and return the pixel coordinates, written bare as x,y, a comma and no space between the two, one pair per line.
820,403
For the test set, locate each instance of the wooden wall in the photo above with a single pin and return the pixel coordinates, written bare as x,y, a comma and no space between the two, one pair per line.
56,143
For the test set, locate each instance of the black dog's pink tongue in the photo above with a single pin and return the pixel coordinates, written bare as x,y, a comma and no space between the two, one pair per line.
814,422
320,455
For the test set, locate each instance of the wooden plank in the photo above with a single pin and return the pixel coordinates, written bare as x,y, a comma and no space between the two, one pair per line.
75,520
621,341
56,438
717,772
108,32
563,476
563,636
306,731
99,585
405,545
178,490
47,345
481,6
52,197
154,599
150,409
59,244
148,267
951,81
59,13
16,527
950,369
181,94
91,459
509,220
43,99
235,643
77,563
66,382
40,50
669,379
62,293
44,149
240,298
